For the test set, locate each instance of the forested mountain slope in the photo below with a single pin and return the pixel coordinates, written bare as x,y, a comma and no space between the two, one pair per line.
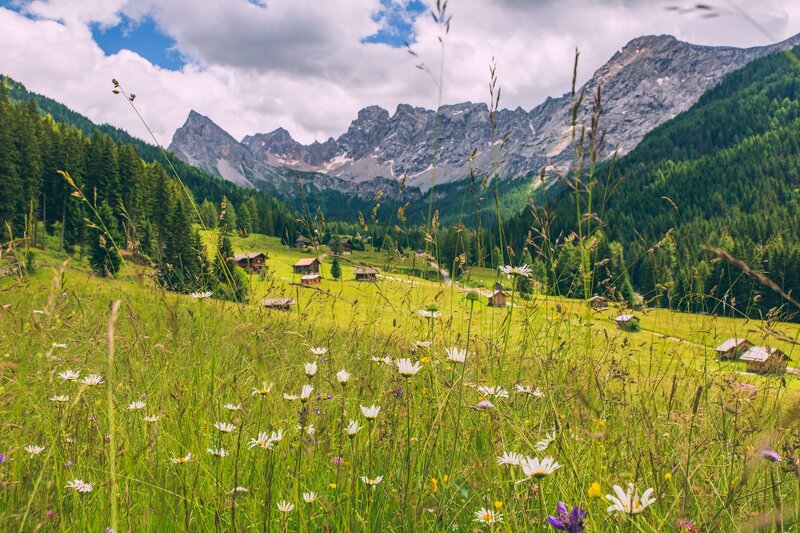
724,174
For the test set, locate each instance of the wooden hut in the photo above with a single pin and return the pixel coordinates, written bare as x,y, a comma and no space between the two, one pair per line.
347,246
309,265
627,322
765,359
498,297
311,279
252,262
598,302
366,273
301,242
732,348
284,304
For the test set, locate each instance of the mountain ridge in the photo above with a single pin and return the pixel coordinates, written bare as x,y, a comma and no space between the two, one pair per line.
647,82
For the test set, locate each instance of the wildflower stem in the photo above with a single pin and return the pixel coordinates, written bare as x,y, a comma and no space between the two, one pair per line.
112,442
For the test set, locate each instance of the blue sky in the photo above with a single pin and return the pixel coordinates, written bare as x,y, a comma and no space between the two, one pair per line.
143,37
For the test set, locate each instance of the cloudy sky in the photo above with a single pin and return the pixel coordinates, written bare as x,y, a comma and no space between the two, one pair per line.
310,65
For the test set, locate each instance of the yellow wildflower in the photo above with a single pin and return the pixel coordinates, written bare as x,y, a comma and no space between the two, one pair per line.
435,485
332,485
498,504
601,423
594,490
668,476
425,360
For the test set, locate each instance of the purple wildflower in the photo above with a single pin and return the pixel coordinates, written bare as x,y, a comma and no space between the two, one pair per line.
3,458
68,464
484,404
329,396
51,514
398,392
338,461
567,520
109,530
685,524
770,455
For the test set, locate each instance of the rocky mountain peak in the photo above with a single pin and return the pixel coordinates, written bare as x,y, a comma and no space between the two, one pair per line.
647,82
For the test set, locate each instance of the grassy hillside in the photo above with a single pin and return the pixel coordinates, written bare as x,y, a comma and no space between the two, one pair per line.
653,408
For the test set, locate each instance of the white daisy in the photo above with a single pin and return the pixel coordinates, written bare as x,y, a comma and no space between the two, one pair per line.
319,350
135,406
456,355
201,295
70,375
371,482
311,369
59,399
522,270
629,502
487,516
428,313
305,393
371,412
285,507
232,407
152,419
496,392
532,467
406,368
509,458
352,428
60,345
182,460
224,427
265,441
527,389
290,397
343,376
543,444
79,485
92,380
34,450
263,391
309,497
219,452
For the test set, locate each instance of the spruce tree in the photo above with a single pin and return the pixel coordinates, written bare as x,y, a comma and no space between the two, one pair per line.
336,269
104,238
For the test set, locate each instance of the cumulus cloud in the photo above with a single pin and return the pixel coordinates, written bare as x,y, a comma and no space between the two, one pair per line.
304,65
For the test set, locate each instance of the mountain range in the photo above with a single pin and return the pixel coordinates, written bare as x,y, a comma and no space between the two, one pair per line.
651,80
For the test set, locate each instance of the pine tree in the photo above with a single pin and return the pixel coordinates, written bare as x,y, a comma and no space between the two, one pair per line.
104,238
336,269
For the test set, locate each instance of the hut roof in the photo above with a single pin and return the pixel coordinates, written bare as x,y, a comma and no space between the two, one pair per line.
366,270
598,298
251,255
730,344
277,302
761,354
625,318
306,261
310,276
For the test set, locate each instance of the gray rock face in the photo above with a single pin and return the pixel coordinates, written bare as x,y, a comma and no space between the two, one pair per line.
648,82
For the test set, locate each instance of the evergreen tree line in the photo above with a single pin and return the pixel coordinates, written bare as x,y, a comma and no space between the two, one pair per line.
112,201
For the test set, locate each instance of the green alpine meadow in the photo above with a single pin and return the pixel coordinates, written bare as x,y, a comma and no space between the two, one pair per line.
492,309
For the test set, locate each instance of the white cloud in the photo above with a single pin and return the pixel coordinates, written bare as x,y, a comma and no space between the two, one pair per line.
300,64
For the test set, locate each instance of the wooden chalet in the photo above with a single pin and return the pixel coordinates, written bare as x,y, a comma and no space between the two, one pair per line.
598,302
252,262
638,304
284,304
765,360
366,273
732,348
498,297
347,246
309,265
627,322
311,279
301,242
